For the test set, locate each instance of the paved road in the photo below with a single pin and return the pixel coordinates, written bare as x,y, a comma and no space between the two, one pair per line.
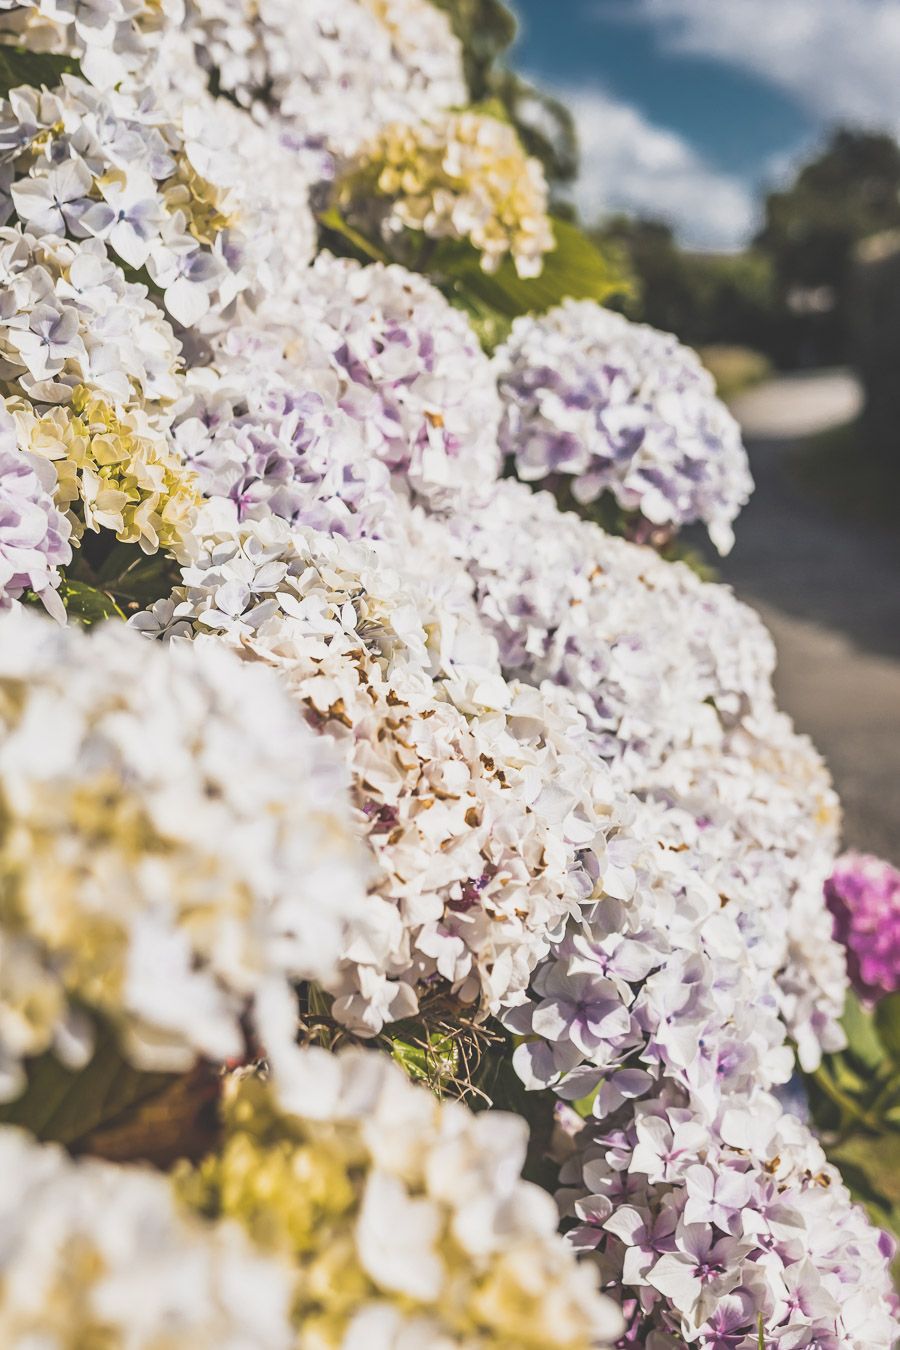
829,590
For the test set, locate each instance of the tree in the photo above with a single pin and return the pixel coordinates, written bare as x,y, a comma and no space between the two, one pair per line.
703,298
849,192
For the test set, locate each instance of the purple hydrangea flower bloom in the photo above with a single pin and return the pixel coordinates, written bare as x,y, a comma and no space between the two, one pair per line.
863,894
620,407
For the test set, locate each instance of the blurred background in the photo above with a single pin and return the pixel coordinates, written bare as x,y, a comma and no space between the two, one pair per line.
742,159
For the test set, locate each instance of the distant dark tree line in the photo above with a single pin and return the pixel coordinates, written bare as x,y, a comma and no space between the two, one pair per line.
794,293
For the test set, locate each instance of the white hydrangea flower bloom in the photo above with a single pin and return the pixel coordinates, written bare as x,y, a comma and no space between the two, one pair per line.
174,845
333,71
70,319
93,1253
620,407
171,191
486,811
410,369
316,407
262,428
113,40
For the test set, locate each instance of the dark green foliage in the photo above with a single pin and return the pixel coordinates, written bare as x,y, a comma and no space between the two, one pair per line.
66,1105
575,268
486,28
88,604
18,67
109,580
855,1103
703,298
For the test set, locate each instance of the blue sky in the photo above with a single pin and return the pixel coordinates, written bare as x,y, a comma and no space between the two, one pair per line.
687,109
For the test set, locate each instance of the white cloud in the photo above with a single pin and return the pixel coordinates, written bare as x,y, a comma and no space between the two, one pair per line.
839,58
629,164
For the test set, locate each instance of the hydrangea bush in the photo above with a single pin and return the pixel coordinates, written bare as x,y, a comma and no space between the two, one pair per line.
393,834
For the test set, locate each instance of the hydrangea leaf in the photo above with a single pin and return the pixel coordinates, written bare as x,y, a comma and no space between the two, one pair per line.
338,232
67,1105
18,67
887,1021
863,1040
575,269
434,1060
871,1169
88,604
135,578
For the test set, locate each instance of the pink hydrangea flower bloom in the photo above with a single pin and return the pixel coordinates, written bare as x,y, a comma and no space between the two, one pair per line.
863,894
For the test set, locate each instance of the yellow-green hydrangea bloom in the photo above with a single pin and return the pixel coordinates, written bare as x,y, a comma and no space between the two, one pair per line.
176,849
115,471
400,1212
459,175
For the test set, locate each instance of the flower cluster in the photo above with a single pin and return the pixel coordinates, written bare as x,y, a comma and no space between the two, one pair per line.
488,821
620,407
115,471
111,39
173,846
82,1239
675,993
863,895
317,416
113,166
34,534
71,319
411,371
459,176
262,429
406,1220
672,675
726,1243
331,72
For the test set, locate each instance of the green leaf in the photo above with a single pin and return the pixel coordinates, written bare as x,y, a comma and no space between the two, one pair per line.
887,1023
846,1077
864,1043
128,574
435,1060
864,1187
576,269
63,1105
491,328
333,223
871,1169
18,67
88,604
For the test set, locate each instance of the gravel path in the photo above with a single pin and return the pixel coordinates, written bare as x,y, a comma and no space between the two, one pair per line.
829,590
